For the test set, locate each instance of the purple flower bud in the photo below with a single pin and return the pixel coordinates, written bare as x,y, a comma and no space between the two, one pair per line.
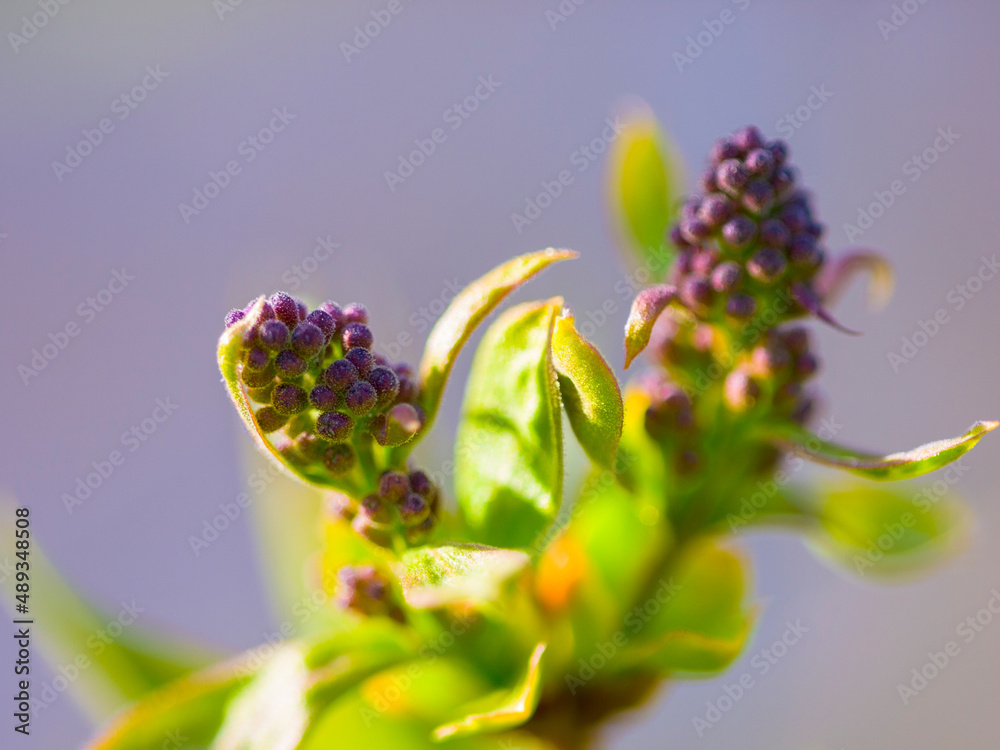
774,233
715,210
676,237
779,151
770,358
257,378
286,309
783,182
268,420
696,293
386,384
289,399
341,375
360,398
796,217
413,510
741,306
339,459
806,365
694,230
324,321
234,316
704,261
335,426
707,182
726,276
332,309
421,484
393,486
723,149
273,335
289,364
257,359
804,252
261,395
357,335
731,176
356,313
302,309
739,231
362,360
324,398
759,163
796,339
767,265
758,197
376,510
748,138
307,340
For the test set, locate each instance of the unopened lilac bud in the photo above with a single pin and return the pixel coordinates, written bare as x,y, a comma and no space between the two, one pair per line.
341,375
739,231
268,420
759,163
234,316
770,358
796,339
397,425
726,276
324,321
783,182
696,293
704,261
779,152
767,265
421,484
677,238
758,197
286,309
774,233
706,182
356,313
362,360
257,359
360,398
715,209
303,310
324,398
385,383
796,217
339,459
289,364
334,310
414,510
741,306
741,391
261,395
694,230
257,378
335,426
289,399
723,149
804,252
273,335
806,366
731,176
748,138
393,486
376,510
357,335
307,340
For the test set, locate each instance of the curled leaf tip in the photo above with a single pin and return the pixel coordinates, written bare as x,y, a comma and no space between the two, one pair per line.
836,277
811,302
646,310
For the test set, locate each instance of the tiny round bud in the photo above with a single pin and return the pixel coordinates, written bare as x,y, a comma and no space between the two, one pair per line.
741,306
357,335
422,485
324,398
376,510
307,340
676,237
715,209
806,365
289,399
741,391
257,378
335,426
340,375
261,395
783,182
234,316
767,265
289,364
696,293
324,321
414,510
759,163
303,310
332,309
268,420
738,231
731,176
362,360
393,486
797,340
779,152
694,230
704,261
273,335
385,383
758,197
339,459
257,359
723,149
774,233
796,217
356,313
706,183
769,358
804,252
360,398
748,138
286,309
726,276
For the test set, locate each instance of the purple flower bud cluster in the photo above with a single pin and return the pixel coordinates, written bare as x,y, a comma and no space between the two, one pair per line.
363,589
320,383
407,501
749,235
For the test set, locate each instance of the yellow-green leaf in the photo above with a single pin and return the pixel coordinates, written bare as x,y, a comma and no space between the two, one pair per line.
435,576
647,307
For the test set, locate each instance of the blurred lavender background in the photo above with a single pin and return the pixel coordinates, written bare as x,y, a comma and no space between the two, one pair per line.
858,93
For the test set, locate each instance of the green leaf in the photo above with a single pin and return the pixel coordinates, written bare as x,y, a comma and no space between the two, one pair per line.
504,709
895,466
646,310
435,576
872,529
590,392
642,468
643,189
466,312
508,452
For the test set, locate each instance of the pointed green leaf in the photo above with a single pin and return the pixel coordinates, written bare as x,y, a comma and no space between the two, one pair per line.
503,709
895,466
590,392
466,312
646,309
643,189
508,452
435,576
873,529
